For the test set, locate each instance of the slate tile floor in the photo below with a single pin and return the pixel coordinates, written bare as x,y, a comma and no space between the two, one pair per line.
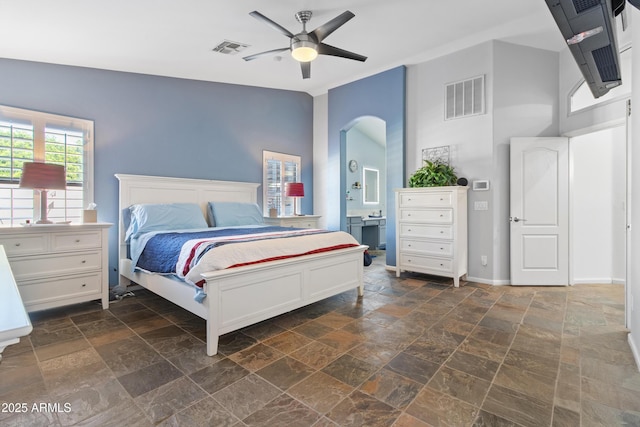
413,352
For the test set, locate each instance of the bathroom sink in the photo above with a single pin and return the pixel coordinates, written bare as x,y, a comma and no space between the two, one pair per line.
375,216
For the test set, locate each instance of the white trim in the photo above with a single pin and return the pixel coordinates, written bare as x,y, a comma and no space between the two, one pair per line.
593,280
634,350
610,124
488,281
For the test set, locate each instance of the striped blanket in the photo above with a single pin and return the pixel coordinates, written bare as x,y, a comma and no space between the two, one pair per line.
220,248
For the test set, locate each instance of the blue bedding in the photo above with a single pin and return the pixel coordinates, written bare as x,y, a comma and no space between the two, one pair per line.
161,251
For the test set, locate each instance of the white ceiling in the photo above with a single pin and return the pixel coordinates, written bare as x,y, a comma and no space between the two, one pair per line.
175,37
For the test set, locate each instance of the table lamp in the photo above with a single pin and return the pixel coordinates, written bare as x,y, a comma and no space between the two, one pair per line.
295,190
43,177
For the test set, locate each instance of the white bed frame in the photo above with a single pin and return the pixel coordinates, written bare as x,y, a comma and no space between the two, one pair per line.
236,297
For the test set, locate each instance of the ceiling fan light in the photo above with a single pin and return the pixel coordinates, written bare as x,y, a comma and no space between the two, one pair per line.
304,51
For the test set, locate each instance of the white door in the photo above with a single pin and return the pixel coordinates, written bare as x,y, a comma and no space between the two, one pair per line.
627,287
539,213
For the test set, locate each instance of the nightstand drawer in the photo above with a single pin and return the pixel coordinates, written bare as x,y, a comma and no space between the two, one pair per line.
300,224
427,231
39,266
75,240
24,244
440,216
298,221
427,247
42,291
423,262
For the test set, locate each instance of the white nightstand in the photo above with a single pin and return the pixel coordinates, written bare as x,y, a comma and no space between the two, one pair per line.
302,221
59,264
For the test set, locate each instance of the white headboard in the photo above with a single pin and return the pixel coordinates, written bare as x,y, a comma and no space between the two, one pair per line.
135,189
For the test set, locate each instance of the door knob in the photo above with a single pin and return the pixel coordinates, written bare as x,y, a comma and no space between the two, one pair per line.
516,219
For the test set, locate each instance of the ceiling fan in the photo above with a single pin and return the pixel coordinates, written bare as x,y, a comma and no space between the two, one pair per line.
306,46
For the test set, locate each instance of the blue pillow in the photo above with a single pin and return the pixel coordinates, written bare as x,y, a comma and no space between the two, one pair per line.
226,214
164,216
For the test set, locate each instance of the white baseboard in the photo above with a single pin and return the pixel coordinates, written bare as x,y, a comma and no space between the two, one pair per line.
634,350
469,279
593,280
618,281
488,282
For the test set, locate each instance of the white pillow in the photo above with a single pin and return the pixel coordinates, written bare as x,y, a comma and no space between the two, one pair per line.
164,216
226,214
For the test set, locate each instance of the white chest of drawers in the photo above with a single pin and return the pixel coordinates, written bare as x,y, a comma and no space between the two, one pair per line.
431,231
59,264
299,221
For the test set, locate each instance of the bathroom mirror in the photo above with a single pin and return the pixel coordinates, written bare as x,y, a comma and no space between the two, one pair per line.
371,186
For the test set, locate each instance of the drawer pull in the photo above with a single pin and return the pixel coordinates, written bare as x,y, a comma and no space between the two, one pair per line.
84,261
17,244
441,215
77,240
441,232
84,285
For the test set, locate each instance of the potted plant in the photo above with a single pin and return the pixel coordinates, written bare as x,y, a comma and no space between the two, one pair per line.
433,174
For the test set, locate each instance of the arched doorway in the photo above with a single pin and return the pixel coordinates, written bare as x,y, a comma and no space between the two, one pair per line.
364,159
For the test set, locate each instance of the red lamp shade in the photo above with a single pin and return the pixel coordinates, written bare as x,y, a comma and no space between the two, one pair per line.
294,189
43,176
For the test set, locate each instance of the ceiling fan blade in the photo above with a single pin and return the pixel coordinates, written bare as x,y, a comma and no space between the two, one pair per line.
261,54
270,23
329,27
325,49
306,69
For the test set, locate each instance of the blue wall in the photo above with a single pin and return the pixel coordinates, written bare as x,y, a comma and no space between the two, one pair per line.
150,125
382,96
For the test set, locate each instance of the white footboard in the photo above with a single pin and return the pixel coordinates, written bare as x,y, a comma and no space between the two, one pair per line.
240,297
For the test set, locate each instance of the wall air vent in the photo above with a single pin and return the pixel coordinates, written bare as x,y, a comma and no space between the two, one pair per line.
228,47
464,98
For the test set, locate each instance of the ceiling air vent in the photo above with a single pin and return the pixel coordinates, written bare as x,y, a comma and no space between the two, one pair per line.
228,47
464,98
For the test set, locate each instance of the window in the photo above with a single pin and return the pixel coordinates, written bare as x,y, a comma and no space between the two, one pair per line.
278,168
31,136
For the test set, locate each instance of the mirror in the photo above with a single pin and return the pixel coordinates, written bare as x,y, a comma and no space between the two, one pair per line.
370,184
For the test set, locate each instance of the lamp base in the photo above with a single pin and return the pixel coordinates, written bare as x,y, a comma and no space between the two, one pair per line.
43,209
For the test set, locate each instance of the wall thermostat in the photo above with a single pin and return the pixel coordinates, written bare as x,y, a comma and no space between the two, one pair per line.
481,185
